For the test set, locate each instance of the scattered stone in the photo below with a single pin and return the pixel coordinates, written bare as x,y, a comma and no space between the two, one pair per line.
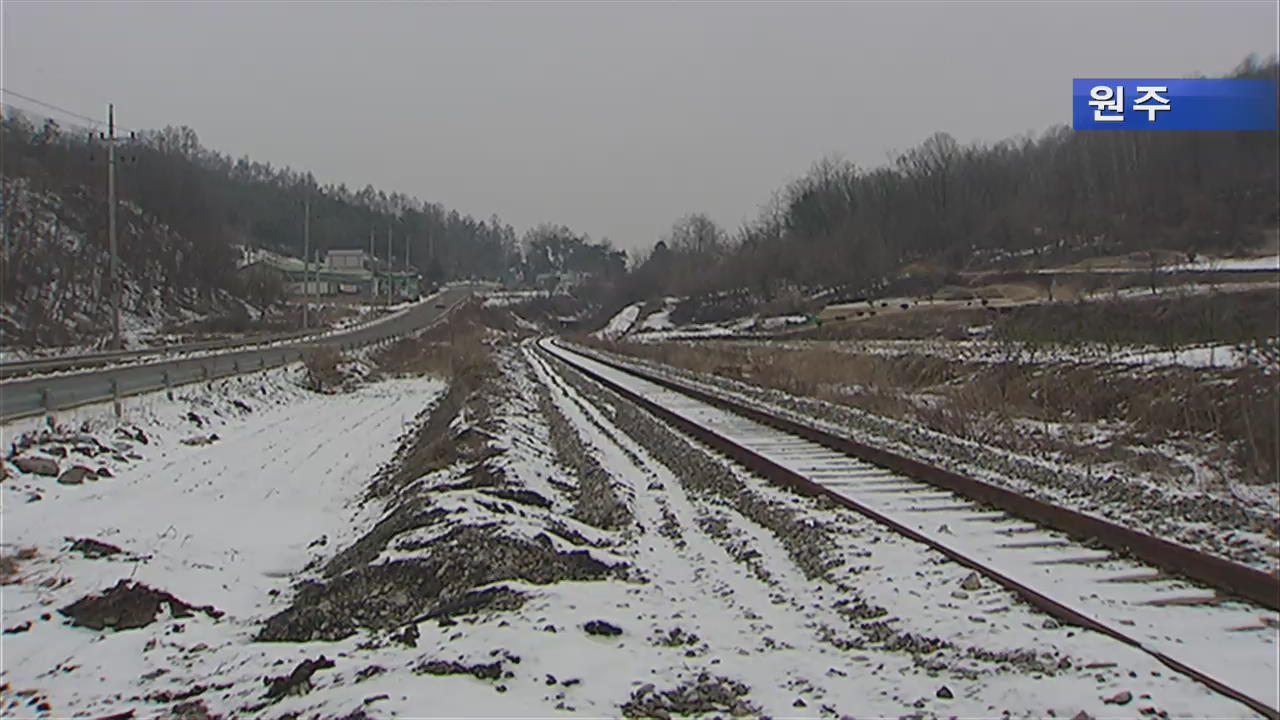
128,605
1049,624
408,637
1121,698
959,594
706,694
76,476
482,671
93,549
56,451
199,440
799,703
971,583
192,710
19,628
944,692
600,627
37,465
1082,715
551,679
297,682
104,471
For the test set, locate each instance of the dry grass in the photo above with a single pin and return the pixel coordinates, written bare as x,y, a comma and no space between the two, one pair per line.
1235,411
1168,320
323,366
459,351
452,349
11,564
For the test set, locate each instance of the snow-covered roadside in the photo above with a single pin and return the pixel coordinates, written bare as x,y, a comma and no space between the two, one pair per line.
226,523
161,355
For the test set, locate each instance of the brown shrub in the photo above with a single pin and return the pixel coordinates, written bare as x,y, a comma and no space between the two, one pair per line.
322,366
1239,409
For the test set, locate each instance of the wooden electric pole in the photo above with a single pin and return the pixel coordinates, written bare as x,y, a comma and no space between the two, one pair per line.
306,256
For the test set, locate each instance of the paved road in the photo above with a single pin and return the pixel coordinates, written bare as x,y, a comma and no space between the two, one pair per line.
24,397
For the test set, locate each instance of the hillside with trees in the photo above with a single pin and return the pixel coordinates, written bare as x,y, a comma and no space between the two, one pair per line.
1022,202
185,211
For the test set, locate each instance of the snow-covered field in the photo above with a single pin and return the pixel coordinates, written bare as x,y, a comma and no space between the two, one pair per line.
1222,356
635,574
657,326
226,523
620,323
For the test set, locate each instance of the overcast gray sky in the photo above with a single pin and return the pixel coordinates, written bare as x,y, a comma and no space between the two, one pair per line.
613,118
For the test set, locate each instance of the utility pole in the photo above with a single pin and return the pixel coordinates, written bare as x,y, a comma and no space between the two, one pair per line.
389,266
113,267
373,268
306,255
111,227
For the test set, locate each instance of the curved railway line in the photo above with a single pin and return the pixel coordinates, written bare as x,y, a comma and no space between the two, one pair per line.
1207,618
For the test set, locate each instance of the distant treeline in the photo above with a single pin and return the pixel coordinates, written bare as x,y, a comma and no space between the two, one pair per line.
1022,200
215,202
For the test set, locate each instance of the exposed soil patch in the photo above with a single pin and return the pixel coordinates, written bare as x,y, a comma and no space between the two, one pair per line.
297,682
128,605
93,549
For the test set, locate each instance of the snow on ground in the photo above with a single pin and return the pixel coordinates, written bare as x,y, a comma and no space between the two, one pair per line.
660,320
736,599
1271,262
989,351
227,524
506,298
620,323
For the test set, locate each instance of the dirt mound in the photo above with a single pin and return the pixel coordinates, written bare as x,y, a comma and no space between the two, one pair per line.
389,594
128,605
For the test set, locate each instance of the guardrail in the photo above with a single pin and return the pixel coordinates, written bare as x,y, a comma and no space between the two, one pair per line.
19,368
52,394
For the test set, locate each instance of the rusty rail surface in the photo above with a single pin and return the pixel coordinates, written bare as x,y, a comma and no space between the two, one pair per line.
1222,574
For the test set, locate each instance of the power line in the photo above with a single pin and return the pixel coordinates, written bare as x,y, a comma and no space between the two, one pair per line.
63,110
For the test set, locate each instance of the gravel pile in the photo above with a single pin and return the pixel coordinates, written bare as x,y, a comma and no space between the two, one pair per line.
437,574
390,594
706,694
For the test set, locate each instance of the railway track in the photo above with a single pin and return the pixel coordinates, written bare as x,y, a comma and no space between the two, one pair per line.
1204,617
